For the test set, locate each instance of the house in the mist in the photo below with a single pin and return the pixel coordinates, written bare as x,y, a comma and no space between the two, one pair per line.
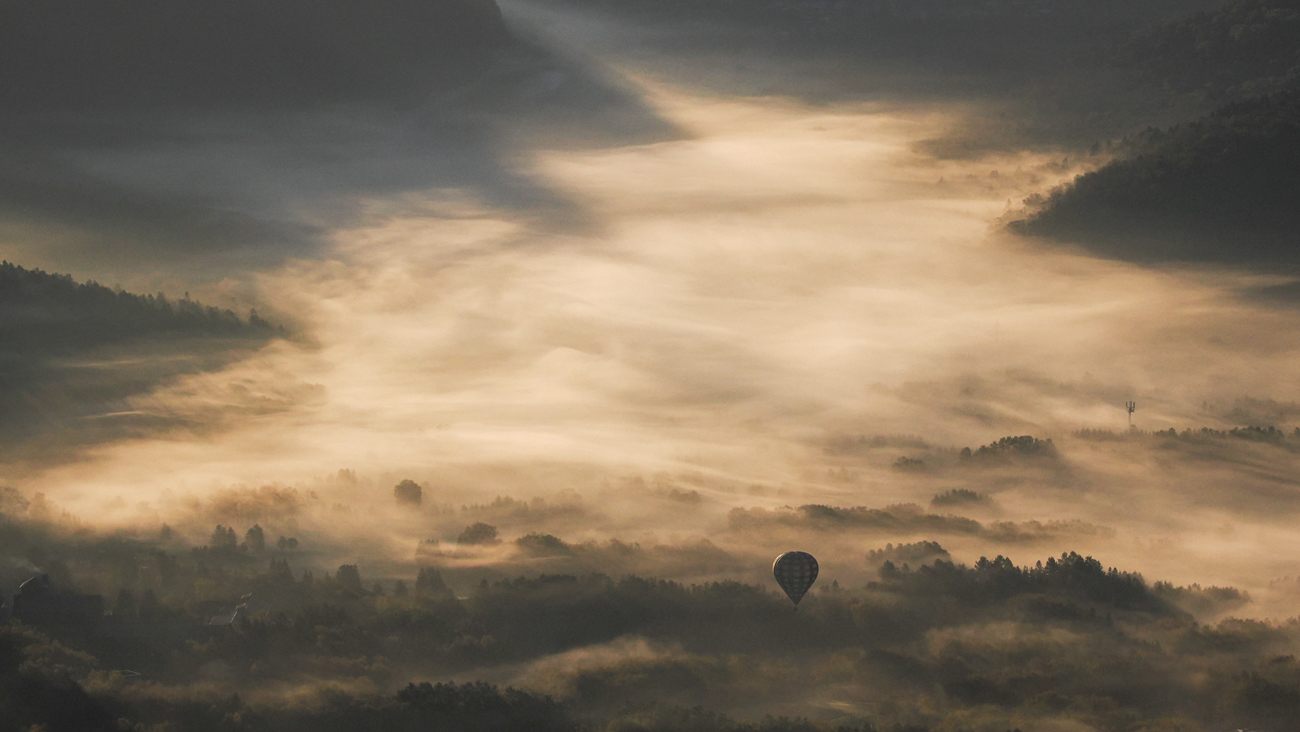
228,616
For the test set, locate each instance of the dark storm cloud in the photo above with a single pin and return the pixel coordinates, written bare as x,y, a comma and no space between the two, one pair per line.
1038,73
233,134
71,53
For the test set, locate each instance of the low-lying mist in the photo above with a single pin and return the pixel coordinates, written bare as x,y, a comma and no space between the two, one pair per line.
541,412
695,342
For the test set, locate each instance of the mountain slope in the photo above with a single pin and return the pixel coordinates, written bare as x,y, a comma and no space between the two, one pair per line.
73,352
1220,189
42,312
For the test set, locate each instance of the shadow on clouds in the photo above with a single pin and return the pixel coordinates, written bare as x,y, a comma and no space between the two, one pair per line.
210,138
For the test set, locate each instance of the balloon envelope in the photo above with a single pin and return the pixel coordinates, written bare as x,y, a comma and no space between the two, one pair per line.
795,572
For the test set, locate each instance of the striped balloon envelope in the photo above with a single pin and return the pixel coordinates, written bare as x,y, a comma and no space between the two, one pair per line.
795,572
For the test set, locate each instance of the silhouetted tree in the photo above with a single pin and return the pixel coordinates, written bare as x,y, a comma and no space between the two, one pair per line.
408,492
478,533
255,539
223,538
429,583
349,577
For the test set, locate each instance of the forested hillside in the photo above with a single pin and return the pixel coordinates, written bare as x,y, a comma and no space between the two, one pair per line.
1245,48
42,312
937,646
72,350
1220,189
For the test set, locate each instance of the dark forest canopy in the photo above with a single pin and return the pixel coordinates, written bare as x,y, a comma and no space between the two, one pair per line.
247,616
1220,189
1243,49
72,349
41,312
945,641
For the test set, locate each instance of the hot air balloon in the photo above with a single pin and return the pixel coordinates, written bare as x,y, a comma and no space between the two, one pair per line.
795,572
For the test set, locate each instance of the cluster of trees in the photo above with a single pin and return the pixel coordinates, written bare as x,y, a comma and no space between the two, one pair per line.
225,540
1006,448
50,324
408,492
1269,434
30,698
960,497
1234,51
1254,433
1214,189
45,312
922,458
907,554
479,533
905,518
926,643
1219,189
1071,577
930,640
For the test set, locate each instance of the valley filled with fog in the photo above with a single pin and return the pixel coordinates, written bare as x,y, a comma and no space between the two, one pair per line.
625,359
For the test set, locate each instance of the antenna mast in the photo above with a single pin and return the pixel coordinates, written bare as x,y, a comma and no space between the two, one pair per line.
1131,406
